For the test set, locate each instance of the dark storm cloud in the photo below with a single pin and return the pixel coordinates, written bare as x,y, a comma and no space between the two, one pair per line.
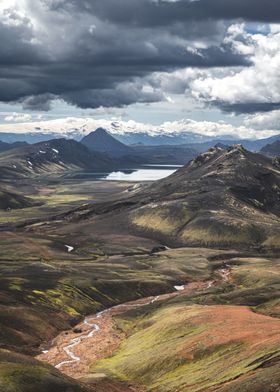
248,107
129,93
163,12
91,83
38,102
15,46
98,53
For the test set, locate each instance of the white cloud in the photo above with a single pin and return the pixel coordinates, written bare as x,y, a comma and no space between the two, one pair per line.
269,120
67,127
259,83
275,28
18,117
7,4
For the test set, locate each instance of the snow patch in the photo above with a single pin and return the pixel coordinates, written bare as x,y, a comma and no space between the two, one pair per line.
179,288
210,284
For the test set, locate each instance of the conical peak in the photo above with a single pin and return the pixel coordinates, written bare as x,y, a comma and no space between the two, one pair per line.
101,131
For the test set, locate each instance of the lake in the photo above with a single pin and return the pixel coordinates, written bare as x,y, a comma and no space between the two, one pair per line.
142,173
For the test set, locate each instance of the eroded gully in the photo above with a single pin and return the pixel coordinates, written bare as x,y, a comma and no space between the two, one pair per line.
96,337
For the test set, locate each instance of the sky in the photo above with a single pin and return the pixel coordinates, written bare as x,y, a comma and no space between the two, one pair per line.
205,66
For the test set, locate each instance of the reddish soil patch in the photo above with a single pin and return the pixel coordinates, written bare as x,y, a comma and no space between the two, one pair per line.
230,324
105,385
106,339
45,191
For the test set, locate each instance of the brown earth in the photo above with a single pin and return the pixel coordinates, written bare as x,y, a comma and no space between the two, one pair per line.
105,341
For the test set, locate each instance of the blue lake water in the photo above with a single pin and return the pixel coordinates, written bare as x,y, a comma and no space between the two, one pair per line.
142,173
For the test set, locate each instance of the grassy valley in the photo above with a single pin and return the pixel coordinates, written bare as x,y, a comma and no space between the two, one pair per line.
183,343
139,196
71,248
223,198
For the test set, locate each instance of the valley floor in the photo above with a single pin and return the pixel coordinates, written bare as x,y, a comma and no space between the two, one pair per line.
191,319
98,336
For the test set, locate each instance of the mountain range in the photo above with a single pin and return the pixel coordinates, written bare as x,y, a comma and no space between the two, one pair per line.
192,140
101,152
9,146
50,157
102,141
198,251
195,141
222,198
272,149
98,152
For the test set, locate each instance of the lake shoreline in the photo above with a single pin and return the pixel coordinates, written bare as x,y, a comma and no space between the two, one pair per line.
141,173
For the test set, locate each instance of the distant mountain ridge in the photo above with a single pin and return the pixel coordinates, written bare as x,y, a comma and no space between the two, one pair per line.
272,149
251,145
105,146
101,141
161,139
53,156
192,140
9,146
225,197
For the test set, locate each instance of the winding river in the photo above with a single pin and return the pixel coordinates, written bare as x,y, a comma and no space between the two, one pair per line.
94,328
73,354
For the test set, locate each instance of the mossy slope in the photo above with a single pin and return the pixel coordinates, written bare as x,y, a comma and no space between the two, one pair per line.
19,373
185,348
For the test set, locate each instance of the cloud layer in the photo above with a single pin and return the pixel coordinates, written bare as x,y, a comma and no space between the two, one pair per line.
100,53
112,54
78,127
249,90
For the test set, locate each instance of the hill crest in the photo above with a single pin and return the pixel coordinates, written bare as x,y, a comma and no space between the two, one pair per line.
53,156
100,140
